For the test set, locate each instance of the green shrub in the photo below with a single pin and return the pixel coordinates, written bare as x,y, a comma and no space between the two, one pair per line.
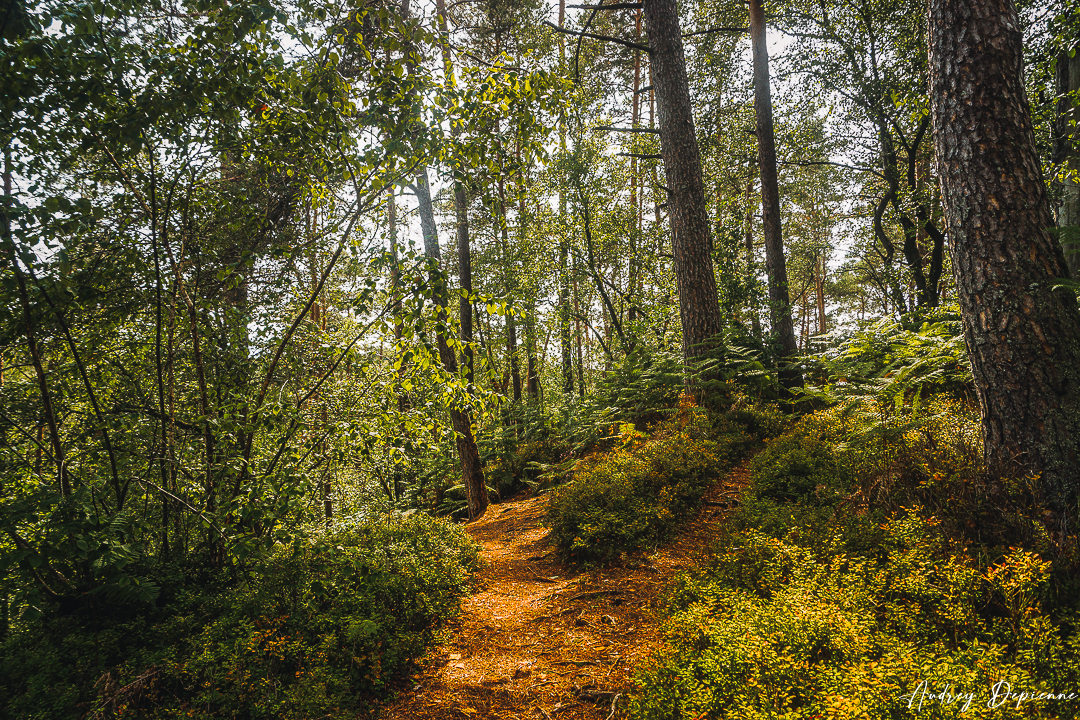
324,630
799,468
771,628
631,497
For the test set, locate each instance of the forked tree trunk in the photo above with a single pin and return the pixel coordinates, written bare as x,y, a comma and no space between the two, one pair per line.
776,265
699,307
1023,337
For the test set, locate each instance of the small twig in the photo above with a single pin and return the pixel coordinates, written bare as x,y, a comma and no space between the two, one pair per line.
614,703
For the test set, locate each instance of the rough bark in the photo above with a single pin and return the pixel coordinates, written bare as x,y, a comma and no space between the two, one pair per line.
1023,337
699,307
776,265
472,474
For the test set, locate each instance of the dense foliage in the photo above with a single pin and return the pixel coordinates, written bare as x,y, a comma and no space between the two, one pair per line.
242,363
319,629
865,569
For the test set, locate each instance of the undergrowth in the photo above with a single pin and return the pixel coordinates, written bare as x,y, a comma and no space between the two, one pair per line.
633,495
873,570
322,630
800,628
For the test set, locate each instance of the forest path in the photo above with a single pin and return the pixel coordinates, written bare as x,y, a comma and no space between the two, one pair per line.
540,640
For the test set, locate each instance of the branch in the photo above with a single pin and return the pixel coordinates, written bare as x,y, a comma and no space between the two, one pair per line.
809,163
183,502
627,43
645,156
613,6
716,30
649,131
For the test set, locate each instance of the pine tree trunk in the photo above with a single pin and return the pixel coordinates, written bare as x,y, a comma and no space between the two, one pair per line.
776,265
1023,337
699,308
472,474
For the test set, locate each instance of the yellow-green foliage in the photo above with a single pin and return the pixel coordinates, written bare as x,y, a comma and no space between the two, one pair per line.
770,629
861,452
632,496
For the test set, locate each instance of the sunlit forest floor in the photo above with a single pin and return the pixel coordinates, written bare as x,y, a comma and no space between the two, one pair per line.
540,639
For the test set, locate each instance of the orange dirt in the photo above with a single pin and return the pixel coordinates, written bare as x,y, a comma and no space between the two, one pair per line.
540,640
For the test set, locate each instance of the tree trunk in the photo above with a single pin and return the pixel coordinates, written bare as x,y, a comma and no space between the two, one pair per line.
564,244
1067,153
461,212
634,270
748,239
472,474
699,308
819,291
779,298
1023,337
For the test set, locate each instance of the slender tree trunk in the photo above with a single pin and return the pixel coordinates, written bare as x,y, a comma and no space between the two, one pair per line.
566,347
819,292
748,239
1023,337
471,471
395,290
11,254
511,321
577,324
1067,153
461,213
779,298
634,270
699,308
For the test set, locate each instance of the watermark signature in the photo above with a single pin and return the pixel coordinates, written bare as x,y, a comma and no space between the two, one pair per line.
1000,695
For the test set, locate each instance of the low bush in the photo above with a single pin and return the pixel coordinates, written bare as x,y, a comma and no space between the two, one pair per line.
775,628
632,496
323,630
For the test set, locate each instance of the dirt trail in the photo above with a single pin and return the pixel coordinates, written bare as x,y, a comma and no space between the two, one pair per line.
538,640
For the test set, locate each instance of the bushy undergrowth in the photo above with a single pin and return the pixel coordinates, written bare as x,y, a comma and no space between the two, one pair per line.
633,495
324,630
872,567
800,628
